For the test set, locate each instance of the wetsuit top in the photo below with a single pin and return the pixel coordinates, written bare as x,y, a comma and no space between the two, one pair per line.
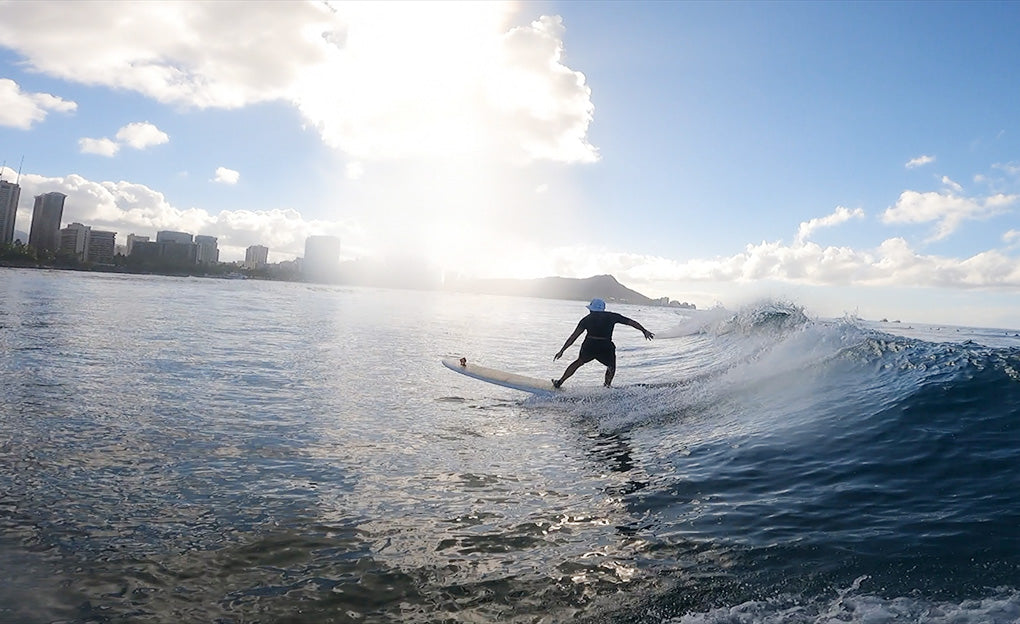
600,324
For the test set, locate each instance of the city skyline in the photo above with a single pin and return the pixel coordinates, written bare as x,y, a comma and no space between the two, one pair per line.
857,158
98,247
77,238
10,193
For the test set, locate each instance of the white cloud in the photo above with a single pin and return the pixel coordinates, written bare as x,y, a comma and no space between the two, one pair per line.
213,54
102,147
920,161
378,80
1012,168
140,135
354,171
892,264
948,182
21,110
840,215
226,176
946,209
419,80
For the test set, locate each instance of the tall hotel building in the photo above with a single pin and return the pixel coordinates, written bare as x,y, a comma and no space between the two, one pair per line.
134,238
74,240
206,251
101,246
10,193
256,256
45,232
322,258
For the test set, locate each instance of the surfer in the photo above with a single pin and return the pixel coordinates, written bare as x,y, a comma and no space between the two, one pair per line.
598,343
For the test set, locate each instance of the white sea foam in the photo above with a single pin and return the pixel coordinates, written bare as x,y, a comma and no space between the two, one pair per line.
850,607
866,610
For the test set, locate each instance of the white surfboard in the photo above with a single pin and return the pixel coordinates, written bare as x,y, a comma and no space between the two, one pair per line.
500,378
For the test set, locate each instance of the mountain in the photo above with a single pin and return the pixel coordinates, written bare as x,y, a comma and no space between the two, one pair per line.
601,286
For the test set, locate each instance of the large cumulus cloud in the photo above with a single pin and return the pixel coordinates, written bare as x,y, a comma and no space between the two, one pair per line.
378,80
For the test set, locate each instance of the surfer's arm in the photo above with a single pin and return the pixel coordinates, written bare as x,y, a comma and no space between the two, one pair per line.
570,341
648,335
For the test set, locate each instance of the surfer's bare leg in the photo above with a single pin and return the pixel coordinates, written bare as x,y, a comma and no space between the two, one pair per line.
571,369
610,371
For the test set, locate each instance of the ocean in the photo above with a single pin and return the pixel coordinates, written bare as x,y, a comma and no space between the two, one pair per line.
204,450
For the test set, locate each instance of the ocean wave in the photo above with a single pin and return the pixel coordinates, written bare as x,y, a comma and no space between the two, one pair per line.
763,316
827,445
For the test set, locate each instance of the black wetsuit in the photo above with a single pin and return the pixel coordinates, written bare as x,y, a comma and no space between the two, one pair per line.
598,342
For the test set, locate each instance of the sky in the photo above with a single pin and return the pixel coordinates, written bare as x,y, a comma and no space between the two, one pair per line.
858,158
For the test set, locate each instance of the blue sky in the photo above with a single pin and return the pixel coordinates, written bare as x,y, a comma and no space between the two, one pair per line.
857,158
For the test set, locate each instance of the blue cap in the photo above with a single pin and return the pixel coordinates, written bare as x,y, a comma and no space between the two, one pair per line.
597,305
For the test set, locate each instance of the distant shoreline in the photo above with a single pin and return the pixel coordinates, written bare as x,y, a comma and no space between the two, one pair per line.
563,288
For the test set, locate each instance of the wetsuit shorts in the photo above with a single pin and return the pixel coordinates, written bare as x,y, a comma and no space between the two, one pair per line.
598,349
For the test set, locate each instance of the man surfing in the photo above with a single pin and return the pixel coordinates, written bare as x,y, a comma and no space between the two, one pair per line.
598,343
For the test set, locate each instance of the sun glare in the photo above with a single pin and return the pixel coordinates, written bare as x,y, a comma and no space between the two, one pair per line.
442,116
404,78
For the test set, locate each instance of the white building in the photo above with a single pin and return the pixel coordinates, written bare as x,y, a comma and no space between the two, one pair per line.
256,257
206,251
132,239
74,239
322,258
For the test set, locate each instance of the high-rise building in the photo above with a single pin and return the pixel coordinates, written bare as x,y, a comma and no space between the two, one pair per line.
44,234
167,236
206,251
175,247
167,252
88,245
322,258
74,239
100,246
132,239
10,193
256,257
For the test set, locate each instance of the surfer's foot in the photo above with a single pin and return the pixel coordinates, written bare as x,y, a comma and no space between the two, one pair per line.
557,383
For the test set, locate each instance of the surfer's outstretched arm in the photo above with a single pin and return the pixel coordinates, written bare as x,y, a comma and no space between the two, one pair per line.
570,341
648,335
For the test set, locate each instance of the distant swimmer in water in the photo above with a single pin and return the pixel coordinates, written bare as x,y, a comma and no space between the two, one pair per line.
598,343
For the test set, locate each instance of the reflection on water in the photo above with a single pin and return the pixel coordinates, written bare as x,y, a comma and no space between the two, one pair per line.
200,450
